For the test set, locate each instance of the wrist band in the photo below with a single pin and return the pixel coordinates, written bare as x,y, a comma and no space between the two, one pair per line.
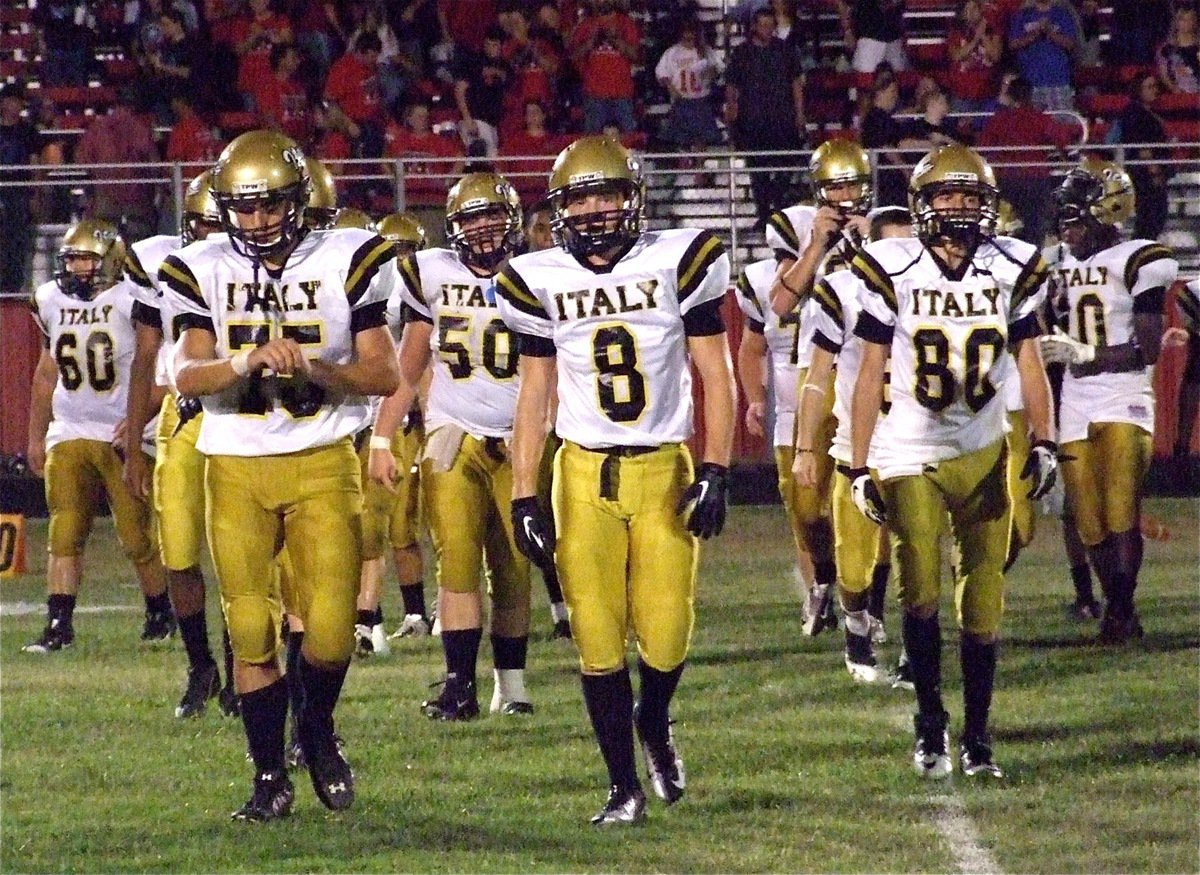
795,294
800,450
240,362
813,387
379,442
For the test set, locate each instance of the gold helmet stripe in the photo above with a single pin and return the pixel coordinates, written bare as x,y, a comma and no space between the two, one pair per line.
697,259
828,300
867,269
410,272
179,278
747,291
513,289
1030,279
1148,254
134,269
781,223
365,263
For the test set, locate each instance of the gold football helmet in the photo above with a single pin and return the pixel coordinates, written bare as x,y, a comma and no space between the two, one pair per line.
405,231
349,217
484,194
953,168
200,214
322,197
840,163
1096,190
261,181
90,258
595,164
1008,223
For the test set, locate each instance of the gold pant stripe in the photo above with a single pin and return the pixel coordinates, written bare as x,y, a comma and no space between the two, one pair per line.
178,489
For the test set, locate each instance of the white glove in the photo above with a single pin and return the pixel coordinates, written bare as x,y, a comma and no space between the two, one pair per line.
866,495
1062,348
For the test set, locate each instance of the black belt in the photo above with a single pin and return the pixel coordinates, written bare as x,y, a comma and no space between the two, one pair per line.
620,452
610,470
494,447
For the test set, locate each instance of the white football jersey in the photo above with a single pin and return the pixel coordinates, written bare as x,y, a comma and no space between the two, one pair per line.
1189,304
474,354
948,332
1098,294
691,72
142,264
92,342
783,336
623,373
789,230
335,283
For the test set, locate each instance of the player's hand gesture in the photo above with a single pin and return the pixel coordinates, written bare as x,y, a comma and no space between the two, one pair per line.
382,468
706,496
282,355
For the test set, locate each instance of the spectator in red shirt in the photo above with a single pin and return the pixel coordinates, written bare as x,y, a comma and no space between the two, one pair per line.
330,142
316,24
193,138
255,34
281,99
353,86
528,174
604,47
1026,127
123,136
974,47
535,58
426,181
464,22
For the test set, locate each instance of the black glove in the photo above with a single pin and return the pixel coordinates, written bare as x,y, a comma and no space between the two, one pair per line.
187,408
866,495
533,529
414,419
1041,467
707,497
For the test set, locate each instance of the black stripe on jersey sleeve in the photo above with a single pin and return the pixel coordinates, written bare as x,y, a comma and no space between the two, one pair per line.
828,300
1024,328
697,259
184,321
872,330
410,273
783,226
828,344
866,268
1029,280
1146,255
409,313
747,291
513,288
178,277
1151,301
536,347
1188,305
755,326
365,264
134,269
147,315
704,320
373,315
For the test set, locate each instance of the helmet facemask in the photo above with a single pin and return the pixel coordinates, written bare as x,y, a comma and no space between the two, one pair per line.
1075,207
276,236
965,226
858,204
599,231
486,245
76,283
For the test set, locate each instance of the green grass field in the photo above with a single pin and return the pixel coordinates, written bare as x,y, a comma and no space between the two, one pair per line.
790,766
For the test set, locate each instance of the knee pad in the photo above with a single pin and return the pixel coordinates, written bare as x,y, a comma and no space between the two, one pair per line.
253,623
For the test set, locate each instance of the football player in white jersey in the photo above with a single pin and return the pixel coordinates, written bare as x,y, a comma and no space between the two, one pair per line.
811,242
178,475
284,339
612,318
466,472
833,310
945,307
1113,293
75,414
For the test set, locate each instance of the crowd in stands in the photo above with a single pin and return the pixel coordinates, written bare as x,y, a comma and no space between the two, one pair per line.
460,81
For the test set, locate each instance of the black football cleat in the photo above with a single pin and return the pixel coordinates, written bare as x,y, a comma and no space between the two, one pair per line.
271,800
561,631
624,806
1120,625
664,766
58,635
332,778
930,756
159,626
227,700
975,757
458,701
203,683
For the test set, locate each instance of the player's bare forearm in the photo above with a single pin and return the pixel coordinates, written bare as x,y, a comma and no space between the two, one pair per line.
752,366
139,403
537,374
710,354
812,393
866,402
198,371
786,290
45,378
1035,390
374,370
1127,357
413,363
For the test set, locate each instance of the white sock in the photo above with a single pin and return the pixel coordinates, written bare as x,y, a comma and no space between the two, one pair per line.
858,622
558,611
509,687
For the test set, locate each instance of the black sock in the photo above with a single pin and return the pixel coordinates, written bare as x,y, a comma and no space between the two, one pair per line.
509,652
292,663
366,618
158,604
60,606
377,617
414,598
609,700
194,631
1081,579
923,643
227,646
264,714
654,700
553,590
462,652
979,675
1128,546
1105,561
322,687
825,572
878,597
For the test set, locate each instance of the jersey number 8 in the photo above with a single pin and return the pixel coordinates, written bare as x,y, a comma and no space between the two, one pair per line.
620,386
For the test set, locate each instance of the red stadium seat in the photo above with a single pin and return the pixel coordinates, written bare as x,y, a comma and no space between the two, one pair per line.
930,56
117,71
1182,130
10,42
1178,104
233,123
80,97
1104,104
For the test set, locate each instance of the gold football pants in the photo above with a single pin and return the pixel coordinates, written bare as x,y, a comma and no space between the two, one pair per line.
77,472
309,501
855,539
179,489
1103,476
1024,516
625,559
804,505
392,519
972,489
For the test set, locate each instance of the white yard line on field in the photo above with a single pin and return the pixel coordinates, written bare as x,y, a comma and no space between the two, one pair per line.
24,609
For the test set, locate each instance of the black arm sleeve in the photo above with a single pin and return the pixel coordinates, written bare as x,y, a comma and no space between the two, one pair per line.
536,347
704,320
